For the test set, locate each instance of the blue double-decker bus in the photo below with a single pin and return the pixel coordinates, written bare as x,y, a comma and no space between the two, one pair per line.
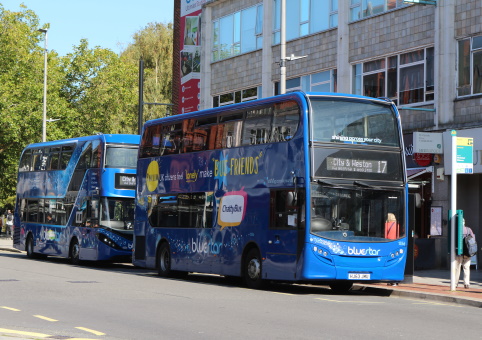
301,187
76,198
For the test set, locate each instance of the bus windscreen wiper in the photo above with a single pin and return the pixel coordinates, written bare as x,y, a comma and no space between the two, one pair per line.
365,185
325,182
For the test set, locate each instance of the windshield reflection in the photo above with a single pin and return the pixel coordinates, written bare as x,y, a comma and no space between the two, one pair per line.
117,213
357,213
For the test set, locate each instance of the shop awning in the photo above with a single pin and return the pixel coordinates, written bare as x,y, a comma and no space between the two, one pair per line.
415,172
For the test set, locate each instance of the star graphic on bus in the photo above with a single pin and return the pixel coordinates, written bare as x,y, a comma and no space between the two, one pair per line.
221,169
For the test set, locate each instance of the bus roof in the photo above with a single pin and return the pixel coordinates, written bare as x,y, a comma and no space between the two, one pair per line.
108,138
245,105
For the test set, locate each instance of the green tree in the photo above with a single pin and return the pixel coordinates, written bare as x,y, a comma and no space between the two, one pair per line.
154,45
21,66
90,90
102,89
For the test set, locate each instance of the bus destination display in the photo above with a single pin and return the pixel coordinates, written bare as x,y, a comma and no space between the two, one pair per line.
356,165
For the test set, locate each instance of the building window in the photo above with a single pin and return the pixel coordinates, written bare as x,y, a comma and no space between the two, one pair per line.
360,9
237,96
317,82
238,33
406,78
304,17
470,66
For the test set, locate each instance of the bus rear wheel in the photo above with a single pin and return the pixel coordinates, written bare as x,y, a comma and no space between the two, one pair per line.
164,261
74,252
252,272
29,247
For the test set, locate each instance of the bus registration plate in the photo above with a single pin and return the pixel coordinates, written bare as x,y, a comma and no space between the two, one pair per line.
358,276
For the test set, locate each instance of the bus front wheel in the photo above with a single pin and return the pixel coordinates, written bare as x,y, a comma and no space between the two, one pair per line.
164,261
74,252
252,269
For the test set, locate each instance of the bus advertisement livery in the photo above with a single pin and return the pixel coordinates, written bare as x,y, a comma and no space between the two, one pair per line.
301,187
75,198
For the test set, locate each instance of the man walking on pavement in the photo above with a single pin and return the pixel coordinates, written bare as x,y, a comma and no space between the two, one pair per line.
9,230
464,261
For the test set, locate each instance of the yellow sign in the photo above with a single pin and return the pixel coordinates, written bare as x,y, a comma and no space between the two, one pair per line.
152,176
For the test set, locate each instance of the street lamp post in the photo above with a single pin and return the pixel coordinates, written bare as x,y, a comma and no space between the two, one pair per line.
44,119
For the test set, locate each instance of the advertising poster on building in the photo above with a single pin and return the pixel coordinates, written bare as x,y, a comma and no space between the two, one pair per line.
190,54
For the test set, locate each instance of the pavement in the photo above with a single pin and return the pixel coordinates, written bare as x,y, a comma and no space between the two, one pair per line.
430,285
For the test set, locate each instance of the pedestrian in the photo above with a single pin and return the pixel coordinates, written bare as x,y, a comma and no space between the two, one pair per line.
464,261
391,232
9,223
391,227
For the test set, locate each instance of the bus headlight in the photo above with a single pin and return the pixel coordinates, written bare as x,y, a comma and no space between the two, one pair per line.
394,256
322,254
107,241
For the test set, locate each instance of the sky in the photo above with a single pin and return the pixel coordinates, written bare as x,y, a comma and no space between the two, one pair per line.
105,23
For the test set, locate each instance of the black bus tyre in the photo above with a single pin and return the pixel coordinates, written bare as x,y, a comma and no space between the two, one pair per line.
29,247
341,287
252,271
74,252
164,261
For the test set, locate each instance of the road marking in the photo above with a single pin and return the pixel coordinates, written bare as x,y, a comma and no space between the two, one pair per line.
12,309
434,303
283,293
45,318
90,331
330,300
11,331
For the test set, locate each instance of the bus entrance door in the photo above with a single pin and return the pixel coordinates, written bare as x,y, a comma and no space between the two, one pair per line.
281,254
282,241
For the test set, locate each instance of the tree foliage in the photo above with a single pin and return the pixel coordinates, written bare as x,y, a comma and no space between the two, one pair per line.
90,90
154,45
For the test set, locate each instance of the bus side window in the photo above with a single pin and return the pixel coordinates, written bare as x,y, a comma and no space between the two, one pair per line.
95,155
86,157
23,210
285,121
54,158
65,157
33,210
26,161
37,159
284,209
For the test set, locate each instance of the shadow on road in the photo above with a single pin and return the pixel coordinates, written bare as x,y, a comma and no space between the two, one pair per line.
206,279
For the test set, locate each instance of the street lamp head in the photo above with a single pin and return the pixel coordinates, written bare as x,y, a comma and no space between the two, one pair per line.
42,30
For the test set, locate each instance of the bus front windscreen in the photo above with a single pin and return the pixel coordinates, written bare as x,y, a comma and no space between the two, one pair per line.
121,157
357,214
117,213
339,120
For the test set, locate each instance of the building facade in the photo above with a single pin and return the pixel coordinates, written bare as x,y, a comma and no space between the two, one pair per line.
426,58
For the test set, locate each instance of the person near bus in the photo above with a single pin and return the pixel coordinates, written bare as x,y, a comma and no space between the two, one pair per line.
464,261
50,219
9,230
391,227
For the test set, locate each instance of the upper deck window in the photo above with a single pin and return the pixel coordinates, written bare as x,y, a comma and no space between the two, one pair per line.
121,156
353,122
266,123
47,158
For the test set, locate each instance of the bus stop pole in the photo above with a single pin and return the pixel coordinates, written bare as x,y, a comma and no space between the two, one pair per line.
282,81
453,207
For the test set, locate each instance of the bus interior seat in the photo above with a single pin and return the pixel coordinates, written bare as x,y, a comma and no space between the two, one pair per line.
320,224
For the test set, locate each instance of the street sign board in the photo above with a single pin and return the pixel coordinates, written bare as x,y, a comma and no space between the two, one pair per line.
465,152
427,142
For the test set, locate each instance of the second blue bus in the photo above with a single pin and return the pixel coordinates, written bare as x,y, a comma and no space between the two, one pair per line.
75,198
